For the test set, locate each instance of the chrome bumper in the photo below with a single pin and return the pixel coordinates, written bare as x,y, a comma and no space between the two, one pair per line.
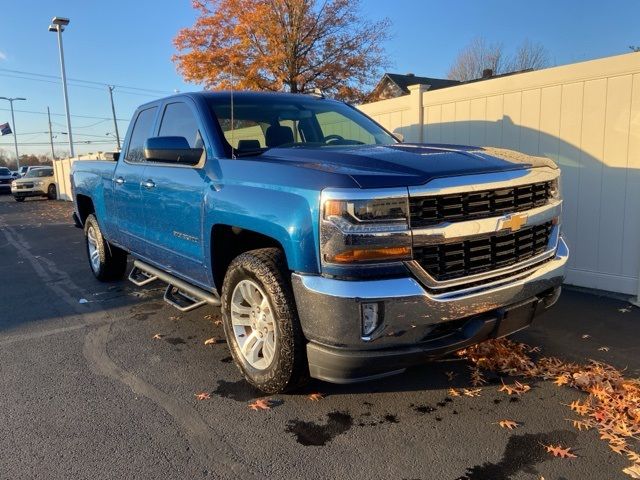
329,309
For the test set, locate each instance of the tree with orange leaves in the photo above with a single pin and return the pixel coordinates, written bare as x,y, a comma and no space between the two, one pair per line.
283,45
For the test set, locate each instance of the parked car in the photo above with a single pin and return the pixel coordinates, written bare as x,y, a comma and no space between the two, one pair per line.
334,251
37,182
6,177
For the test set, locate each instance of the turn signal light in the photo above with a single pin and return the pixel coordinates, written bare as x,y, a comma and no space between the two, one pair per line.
369,254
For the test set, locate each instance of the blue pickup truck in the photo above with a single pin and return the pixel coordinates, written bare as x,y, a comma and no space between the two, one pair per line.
334,250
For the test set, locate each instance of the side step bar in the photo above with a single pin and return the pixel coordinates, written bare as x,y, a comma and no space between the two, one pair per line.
180,294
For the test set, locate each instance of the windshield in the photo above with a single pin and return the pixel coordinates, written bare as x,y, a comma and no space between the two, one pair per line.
5,172
308,122
39,172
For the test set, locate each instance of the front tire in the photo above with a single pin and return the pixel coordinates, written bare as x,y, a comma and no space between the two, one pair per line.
107,261
261,322
19,199
52,192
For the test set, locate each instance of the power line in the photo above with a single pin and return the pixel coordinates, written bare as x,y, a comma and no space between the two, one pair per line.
79,86
62,115
150,90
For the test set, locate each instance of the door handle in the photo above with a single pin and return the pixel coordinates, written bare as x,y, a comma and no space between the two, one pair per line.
119,180
148,184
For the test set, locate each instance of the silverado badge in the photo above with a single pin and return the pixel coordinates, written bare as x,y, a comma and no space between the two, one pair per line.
514,222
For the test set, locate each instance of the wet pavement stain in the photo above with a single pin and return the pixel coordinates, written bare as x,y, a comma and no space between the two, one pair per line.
522,453
145,310
423,408
226,360
239,391
391,418
314,434
175,341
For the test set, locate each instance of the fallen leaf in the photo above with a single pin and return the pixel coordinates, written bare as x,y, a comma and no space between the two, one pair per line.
633,471
558,451
535,350
83,300
450,376
316,396
203,396
260,404
619,448
475,392
210,341
581,424
175,317
157,336
207,317
624,310
586,335
561,380
634,457
510,424
217,322
603,349
452,392
477,379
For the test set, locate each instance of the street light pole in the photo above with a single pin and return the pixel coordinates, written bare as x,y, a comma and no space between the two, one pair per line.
57,25
13,127
113,110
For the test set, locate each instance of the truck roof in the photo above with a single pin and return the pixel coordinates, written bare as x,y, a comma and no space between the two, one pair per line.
225,95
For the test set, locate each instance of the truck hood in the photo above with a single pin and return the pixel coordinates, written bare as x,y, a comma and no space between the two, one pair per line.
382,166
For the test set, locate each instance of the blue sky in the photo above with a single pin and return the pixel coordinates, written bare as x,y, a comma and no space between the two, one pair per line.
129,43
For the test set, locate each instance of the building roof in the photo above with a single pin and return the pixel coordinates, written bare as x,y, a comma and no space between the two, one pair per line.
405,81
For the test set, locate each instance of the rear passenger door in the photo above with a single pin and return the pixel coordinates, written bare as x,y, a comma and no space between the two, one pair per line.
126,202
173,200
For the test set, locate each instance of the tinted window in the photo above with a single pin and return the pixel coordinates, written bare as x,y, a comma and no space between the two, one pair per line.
5,171
39,172
141,131
178,121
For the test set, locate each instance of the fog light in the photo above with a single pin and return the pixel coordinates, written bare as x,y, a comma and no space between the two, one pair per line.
370,318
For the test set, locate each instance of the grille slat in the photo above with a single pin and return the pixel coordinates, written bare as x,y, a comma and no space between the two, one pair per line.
431,210
454,260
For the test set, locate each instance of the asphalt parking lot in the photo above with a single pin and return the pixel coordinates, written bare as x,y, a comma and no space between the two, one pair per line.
86,391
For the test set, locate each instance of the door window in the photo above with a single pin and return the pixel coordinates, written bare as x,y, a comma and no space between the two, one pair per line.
179,121
141,131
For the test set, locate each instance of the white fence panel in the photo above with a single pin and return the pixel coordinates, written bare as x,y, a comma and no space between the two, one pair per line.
584,116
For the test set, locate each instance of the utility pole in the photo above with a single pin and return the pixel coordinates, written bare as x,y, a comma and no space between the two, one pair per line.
13,127
113,110
57,25
53,155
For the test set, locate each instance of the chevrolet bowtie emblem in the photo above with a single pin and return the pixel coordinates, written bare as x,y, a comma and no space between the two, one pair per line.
514,222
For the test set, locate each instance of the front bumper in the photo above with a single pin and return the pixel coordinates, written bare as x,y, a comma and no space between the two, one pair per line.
23,192
416,325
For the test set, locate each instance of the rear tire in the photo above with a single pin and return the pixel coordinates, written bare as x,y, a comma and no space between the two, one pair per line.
19,199
107,261
280,364
52,192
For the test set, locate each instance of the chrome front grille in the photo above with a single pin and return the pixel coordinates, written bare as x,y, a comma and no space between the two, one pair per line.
477,229
450,261
435,209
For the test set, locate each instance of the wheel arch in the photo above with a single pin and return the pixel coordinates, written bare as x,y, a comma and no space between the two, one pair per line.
228,241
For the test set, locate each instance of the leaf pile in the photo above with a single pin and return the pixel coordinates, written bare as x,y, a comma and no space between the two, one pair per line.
612,406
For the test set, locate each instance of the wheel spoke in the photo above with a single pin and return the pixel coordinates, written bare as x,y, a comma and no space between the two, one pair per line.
251,348
240,310
269,347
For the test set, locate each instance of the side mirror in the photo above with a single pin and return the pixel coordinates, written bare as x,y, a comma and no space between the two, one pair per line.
171,150
399,136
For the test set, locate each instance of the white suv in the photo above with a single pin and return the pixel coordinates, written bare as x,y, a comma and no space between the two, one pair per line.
37,182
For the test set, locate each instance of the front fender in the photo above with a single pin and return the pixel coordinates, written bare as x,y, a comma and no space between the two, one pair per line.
285,215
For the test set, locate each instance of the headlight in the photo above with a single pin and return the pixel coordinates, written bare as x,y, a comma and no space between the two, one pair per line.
13,184
364,227
38,183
